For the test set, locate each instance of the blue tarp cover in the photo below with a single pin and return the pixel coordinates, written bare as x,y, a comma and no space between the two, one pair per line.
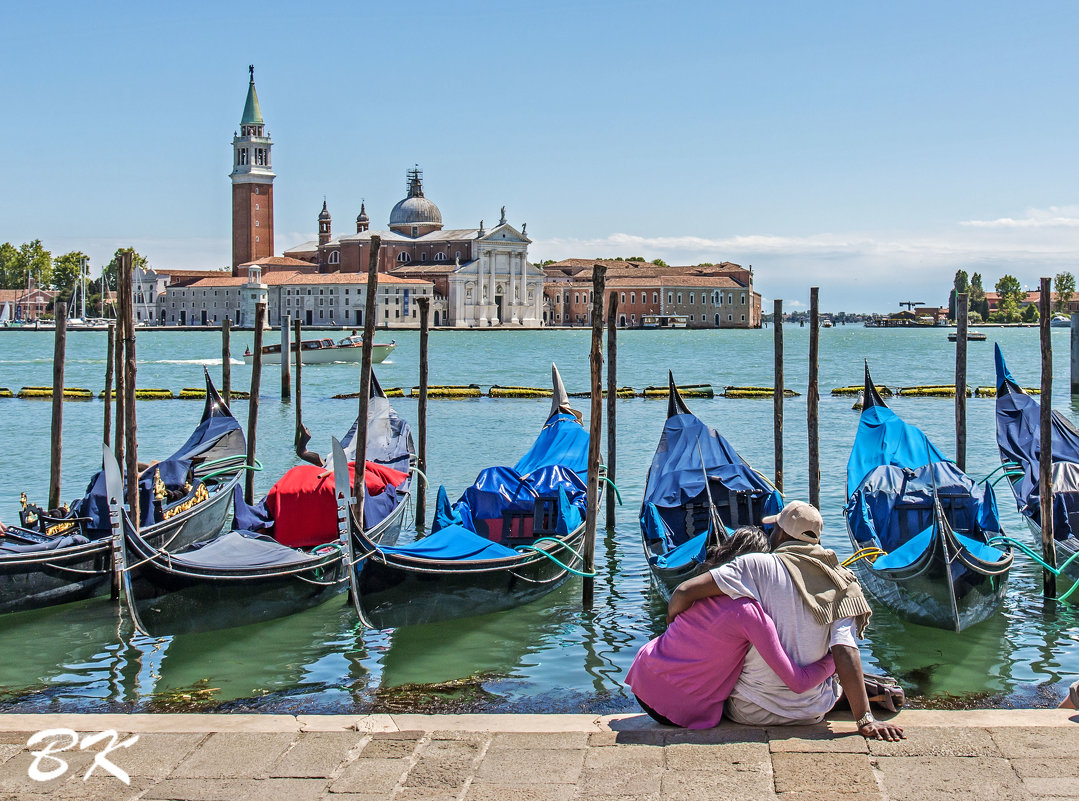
885,438
1019,440
692,550
563,441
454,542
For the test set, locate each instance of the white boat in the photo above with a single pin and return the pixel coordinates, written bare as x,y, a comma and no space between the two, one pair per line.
324,351
1060,321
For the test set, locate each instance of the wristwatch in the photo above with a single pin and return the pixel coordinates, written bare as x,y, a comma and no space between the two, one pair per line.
865,719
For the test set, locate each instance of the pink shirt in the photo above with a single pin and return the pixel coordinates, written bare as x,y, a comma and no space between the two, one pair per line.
687,672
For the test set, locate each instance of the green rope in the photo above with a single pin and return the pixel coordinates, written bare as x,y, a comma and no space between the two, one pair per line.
543,552
256,467
1002,476
1003,466
1056,571
617,494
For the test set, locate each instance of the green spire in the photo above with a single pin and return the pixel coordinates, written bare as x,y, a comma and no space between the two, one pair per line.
252,111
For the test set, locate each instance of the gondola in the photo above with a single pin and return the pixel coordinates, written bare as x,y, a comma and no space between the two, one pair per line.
920,526
512,537
284,554
698,489
66,555
1019,441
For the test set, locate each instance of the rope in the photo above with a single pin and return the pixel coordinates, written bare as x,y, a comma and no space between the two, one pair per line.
1056,571
871,553
617,494
549,555
255,468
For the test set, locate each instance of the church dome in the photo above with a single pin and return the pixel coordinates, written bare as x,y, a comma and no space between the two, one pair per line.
415,209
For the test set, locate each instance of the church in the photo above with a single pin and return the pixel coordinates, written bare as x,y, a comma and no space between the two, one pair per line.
481,276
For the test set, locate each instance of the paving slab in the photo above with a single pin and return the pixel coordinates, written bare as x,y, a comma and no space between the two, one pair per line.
444,765
521,766
688,785
1037,768
364,723
172,723
1031,742
241,755
814,739
1063,786
949,779
623,770
520,792
373,776
927,741
809,772
397,748
539,740
217,789
317,754
729,759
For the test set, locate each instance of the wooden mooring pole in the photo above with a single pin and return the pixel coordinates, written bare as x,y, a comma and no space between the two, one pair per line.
1045,462
612,398
286,362
226,362
253,402
777,395
813,398
108,383
370,293
56,449
1075,353
421,415
131,444
962,301
118,372
595,430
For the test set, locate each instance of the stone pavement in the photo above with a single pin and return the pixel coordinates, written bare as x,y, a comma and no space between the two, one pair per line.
999,755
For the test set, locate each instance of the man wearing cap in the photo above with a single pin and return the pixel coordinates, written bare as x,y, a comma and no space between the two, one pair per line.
817,606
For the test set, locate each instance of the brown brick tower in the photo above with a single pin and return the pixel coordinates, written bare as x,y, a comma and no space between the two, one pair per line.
252,185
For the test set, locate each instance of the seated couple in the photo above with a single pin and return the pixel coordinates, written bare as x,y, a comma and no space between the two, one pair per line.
763,632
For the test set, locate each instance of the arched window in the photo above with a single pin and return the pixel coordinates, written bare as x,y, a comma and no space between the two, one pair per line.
632,297
623,298
440,256
403,257
717,320
655,297
335,257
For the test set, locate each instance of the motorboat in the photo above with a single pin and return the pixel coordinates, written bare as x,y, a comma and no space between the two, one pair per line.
325,351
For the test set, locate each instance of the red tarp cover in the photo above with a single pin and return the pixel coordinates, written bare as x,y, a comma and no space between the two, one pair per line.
303,505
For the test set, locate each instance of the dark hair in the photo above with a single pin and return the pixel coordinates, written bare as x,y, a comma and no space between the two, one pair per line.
747,539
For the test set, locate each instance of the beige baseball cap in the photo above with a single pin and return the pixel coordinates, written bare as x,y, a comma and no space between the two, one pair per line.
800,520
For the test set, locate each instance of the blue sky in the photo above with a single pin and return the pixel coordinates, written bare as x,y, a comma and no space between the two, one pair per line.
868,148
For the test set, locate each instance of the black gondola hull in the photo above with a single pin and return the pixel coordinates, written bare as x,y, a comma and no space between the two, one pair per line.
396,591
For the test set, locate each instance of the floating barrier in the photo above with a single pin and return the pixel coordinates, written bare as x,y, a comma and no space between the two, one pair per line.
391,392
884,392
519,392
450,392
147,394
685,390
991,392
6,393
45,393
757,392
199,393
931,391
621,392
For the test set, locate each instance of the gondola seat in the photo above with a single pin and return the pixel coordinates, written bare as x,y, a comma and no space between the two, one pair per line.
240,550
7,547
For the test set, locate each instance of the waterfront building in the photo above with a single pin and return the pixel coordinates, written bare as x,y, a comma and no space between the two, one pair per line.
26,304
148,286
707,296
482,277
333,299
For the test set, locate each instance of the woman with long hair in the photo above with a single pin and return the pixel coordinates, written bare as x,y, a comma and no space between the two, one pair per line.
683,676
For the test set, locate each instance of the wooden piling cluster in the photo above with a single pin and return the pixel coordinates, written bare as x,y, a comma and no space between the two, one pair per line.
370,291
253,403
1045,462
56,449
961,302
813,397
599,274
421,415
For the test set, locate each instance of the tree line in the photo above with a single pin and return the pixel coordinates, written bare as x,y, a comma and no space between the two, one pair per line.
31,261
1010,298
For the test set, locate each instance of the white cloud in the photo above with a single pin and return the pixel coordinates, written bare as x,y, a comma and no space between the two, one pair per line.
1052,217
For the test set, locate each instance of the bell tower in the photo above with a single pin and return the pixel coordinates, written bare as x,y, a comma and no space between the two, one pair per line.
252,185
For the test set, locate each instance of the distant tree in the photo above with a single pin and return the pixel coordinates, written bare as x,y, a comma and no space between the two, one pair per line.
974,318
66,270
1011,295
660,263
959,285
1064,286
28,259
1031,314
978,302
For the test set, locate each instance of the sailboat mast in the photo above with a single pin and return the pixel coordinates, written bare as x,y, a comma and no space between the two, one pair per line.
82,285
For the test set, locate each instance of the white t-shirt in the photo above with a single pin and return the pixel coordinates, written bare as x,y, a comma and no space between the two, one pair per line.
763,576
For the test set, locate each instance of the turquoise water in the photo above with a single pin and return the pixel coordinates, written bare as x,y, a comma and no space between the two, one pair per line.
550,655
